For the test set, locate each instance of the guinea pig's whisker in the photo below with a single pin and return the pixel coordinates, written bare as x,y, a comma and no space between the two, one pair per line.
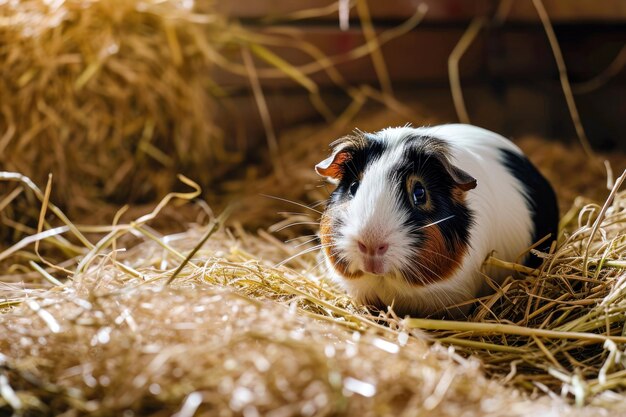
292,202
434,223
441,297
295,213
428,281
293,239
404,277
416,274
293,224
331,235
303,252
318,203
304,243
321,267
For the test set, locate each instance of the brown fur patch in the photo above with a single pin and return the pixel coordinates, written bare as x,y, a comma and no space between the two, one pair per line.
326,232
335,169
458,195
436,262
343,148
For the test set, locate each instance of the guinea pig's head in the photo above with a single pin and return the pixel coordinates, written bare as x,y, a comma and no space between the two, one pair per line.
399,210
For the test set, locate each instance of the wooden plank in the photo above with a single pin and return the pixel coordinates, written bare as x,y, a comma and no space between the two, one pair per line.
421,56
396,10
439,10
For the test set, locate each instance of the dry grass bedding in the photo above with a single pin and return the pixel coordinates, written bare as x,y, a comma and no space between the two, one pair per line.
101,319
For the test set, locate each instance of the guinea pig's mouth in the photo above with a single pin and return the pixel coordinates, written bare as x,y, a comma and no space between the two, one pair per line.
356,265
374,265
353,264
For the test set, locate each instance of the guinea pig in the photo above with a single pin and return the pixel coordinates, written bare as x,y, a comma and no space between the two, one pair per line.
416,212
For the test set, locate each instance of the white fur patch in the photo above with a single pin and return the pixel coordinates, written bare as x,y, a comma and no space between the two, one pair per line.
374,214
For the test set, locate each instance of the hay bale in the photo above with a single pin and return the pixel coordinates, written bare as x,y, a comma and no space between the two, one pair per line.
114,98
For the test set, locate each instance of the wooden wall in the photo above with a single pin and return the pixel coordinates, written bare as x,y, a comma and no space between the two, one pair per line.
509,74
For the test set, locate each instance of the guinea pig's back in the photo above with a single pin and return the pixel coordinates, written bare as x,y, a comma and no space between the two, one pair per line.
513,204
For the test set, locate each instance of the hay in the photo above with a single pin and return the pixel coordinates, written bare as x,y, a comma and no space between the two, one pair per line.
102,348
136,346
117,91
234,333
91,327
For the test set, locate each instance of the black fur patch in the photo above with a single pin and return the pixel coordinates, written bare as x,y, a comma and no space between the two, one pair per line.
540,199
423,158
352,169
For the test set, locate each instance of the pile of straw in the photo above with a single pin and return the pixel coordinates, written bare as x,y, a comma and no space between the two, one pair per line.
114,98
104,332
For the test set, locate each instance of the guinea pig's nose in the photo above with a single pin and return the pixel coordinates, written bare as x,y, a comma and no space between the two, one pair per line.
373,249
382,248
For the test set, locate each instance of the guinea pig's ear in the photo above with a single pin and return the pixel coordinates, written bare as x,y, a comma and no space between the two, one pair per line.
332,167
463,180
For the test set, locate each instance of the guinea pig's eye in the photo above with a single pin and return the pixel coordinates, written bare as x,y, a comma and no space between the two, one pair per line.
353,187
418,196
